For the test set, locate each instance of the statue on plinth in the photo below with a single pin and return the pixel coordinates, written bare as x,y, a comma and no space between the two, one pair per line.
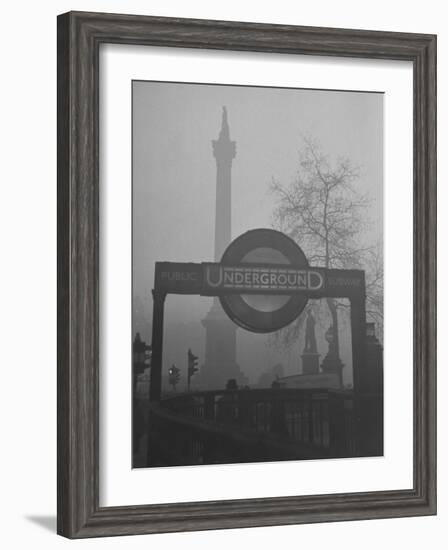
332,363
310,357
310,334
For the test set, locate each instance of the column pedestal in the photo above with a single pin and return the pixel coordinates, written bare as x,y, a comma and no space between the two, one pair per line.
220,365
310,363
332,365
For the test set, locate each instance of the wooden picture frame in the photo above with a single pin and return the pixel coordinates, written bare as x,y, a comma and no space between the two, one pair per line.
79,38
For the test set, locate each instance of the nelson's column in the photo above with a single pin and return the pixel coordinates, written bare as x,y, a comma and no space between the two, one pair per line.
220,339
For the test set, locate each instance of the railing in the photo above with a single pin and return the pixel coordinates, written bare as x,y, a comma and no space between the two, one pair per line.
251,425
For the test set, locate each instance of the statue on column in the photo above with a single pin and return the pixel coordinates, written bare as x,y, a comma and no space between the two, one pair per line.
220,363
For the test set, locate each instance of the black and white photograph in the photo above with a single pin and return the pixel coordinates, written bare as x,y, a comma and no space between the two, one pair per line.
257,274
220,257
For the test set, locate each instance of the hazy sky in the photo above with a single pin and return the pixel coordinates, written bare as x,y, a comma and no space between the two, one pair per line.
174,176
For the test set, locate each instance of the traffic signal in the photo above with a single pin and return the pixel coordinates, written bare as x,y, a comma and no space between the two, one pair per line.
173,375
192,365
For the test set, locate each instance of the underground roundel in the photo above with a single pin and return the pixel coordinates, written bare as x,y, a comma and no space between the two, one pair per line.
257,249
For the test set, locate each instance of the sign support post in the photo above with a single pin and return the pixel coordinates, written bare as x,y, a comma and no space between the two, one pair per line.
358,324
155,387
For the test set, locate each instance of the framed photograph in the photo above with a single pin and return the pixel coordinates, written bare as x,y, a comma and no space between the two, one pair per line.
246,274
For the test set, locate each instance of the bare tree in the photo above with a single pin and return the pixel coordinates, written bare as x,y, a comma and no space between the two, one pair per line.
373,264
323,211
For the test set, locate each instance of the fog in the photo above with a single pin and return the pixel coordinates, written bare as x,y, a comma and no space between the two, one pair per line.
174,184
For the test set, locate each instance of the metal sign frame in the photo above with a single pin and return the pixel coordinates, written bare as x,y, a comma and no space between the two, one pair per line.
193,279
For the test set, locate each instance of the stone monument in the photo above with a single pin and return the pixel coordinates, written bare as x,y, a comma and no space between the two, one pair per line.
220,340
332,364
310,357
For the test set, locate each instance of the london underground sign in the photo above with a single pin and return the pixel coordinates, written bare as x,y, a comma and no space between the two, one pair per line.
259,278
263,282
211,279
264,257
